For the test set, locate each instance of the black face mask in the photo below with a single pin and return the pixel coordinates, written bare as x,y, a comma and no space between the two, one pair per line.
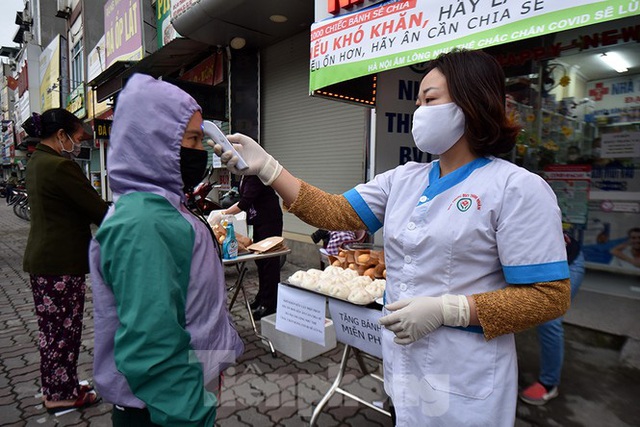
193,165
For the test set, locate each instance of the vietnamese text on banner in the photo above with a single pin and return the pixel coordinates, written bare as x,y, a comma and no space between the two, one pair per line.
301,314
400,33
357,326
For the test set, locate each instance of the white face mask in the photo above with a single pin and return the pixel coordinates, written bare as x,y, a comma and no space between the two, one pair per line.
436,128
75,147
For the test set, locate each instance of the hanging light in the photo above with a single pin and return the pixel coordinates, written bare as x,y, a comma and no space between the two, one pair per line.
238,42
615,61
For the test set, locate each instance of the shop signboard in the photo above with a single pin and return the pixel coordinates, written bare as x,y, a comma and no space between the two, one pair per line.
50,61
102,128
329,8
208,72
76,103
615,100
123,30
166,32
178,7
400,33
357,326
96,64
23,79
395,105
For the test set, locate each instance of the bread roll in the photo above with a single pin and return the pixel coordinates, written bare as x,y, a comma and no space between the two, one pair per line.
332,271
339,291
364,258
309,282
375,290
349,274
360,296
314,272
297,277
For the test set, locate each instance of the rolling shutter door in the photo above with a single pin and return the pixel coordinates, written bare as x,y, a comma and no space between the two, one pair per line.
320,141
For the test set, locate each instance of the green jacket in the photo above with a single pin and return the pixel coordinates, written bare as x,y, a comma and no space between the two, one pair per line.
63,206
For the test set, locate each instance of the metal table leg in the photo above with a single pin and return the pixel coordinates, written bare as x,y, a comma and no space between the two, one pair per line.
239,287
253,322
242,270
335,387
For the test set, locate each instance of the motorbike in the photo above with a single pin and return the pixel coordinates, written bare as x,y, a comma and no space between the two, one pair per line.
199,201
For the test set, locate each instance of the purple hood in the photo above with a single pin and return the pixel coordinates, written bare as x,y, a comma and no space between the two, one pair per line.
151,117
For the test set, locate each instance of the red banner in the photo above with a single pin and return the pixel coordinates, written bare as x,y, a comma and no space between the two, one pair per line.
208,72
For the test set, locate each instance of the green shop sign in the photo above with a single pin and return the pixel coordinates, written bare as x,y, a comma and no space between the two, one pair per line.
397,34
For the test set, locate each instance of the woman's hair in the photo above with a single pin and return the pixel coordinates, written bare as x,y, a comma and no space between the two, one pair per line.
476,84
48,123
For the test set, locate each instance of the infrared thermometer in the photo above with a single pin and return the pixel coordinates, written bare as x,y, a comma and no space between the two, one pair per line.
212,131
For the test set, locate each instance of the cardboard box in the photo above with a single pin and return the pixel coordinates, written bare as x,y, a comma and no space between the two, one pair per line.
294,347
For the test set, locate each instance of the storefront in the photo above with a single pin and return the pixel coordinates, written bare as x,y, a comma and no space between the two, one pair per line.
580,115
321,141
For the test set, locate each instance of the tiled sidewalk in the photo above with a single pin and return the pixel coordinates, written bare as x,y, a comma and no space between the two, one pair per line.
266,391
259,390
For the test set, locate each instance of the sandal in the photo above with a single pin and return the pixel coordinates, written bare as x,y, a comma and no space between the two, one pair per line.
84,399
85,388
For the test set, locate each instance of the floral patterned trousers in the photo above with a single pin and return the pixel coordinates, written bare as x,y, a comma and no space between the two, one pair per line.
59,302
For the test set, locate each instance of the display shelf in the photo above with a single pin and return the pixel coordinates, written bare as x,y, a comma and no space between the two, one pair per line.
610,125
555,113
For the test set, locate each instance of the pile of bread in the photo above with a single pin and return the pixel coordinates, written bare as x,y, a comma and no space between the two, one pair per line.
340,283
366,262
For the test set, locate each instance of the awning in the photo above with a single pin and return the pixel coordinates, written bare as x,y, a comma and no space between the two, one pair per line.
178,54
111,80
259,22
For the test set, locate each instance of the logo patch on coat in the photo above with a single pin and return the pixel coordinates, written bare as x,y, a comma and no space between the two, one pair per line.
465,201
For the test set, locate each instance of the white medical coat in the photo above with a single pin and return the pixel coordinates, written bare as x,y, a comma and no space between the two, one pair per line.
487,224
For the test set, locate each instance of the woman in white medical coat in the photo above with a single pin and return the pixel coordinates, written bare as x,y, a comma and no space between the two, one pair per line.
473,246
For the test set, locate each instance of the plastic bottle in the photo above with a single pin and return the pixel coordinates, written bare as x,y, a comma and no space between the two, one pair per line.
230,243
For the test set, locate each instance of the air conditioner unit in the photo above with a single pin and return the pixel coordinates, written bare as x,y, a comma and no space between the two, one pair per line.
64,9
26,17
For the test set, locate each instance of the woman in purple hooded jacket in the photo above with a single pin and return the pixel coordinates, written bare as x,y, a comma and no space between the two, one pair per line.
163,332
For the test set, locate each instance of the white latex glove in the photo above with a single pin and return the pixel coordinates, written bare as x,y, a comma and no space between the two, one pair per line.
413,318
259,161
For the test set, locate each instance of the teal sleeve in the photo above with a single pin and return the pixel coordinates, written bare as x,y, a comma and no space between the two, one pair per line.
146,249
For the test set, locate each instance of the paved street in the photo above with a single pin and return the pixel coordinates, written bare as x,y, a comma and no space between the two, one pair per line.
262,390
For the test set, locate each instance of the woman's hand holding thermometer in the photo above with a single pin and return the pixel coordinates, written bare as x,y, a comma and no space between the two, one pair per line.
212,131
242,155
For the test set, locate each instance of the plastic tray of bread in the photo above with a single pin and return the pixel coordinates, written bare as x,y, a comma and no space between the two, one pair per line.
341,283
